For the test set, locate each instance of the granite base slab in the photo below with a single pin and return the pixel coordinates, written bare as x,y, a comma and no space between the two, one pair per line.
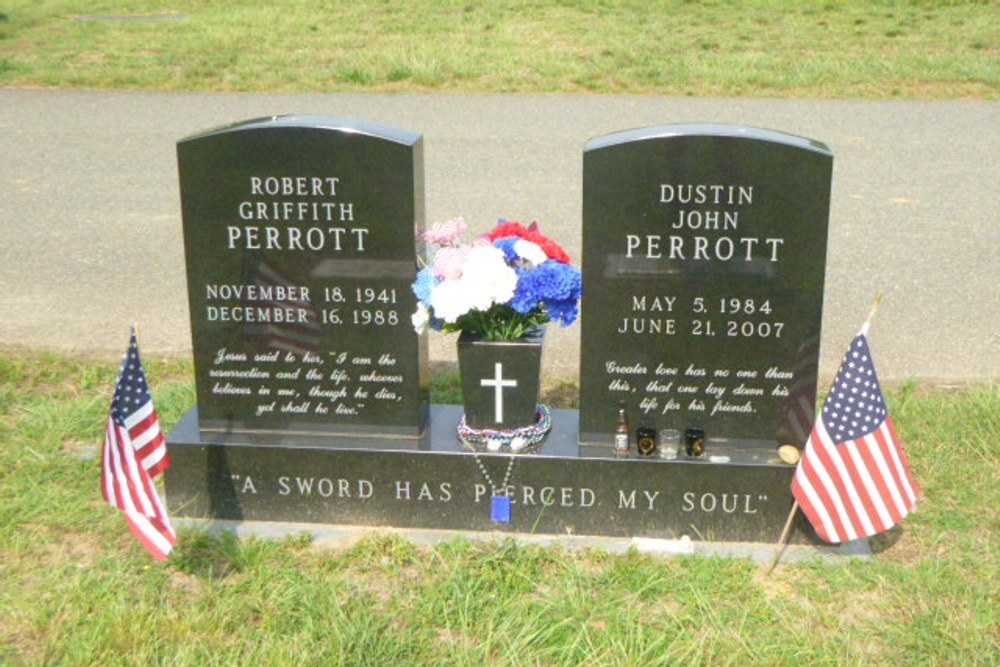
433,483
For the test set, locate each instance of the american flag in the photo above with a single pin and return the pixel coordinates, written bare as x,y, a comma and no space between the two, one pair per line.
853,480
798,410
134,452
294,336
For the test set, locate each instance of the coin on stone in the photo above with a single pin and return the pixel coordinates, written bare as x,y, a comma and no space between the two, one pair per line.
789,454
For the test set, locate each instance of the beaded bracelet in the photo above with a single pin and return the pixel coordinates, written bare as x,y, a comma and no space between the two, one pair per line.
517,439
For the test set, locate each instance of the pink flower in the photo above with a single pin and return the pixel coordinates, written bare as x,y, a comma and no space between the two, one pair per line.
448,262
445,231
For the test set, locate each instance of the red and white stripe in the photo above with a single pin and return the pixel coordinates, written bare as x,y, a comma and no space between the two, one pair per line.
799,414
128,466
147,439
446,231
799,410
854,489
297,337
449,262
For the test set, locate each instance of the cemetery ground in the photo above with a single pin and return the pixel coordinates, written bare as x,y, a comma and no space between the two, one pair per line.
764,48
78,589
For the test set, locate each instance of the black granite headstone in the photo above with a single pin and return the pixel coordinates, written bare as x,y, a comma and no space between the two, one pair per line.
300,247
704,252
263,203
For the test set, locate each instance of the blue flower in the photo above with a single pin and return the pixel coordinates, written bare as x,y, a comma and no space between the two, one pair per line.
507,245
563,311
554,285
425,282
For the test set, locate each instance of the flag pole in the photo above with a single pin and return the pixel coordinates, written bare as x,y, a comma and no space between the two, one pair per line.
783,540
871,313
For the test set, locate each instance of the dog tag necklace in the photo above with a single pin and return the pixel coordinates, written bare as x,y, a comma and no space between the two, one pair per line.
499,500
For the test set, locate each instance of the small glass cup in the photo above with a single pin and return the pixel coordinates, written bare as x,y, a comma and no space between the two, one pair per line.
670,443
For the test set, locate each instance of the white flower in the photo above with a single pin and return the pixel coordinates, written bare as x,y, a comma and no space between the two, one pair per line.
530,251
486,274
485,280
420,318
450,300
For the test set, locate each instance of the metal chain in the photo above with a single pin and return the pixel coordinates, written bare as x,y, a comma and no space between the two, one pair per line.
489,480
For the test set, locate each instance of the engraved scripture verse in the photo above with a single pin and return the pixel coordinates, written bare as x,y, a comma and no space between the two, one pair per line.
287,383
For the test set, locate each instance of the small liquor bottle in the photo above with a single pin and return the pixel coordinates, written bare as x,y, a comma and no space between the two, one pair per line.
645,440
621,435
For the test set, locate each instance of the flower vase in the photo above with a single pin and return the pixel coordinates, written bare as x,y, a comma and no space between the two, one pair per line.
500,380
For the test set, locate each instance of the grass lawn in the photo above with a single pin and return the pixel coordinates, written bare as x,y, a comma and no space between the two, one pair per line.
79,590
914,49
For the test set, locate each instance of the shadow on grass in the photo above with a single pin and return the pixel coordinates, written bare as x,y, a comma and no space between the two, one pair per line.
884,541
208,556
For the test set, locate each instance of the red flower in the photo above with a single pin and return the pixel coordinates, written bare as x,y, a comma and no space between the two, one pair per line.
551,249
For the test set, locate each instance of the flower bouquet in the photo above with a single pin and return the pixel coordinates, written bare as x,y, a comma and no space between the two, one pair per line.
504,285
498,291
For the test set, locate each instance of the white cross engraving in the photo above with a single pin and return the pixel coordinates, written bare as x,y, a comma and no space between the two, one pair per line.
498,383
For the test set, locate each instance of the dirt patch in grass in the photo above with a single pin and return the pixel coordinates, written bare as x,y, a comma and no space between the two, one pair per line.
773,585
60,549
184,586
20,642
82,449
451,636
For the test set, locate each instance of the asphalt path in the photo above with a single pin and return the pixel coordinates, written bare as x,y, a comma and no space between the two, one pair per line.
90,230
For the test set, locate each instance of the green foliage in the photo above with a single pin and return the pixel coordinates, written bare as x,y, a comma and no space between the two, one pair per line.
79,590
499,322
810,48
